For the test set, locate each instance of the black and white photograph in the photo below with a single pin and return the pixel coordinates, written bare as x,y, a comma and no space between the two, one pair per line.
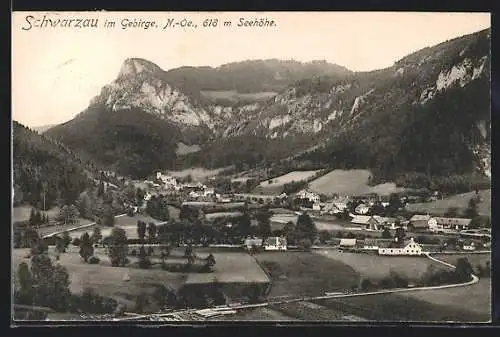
184,167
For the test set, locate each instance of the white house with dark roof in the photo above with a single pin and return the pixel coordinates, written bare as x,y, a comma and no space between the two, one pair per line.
410,248
275,243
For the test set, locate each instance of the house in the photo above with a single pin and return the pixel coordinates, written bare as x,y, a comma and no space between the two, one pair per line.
253,242
469,247
347,243
311,196
316,207
147,197
370,246
385,221
452,223
422,222
362,209
275,243
409,248
367,221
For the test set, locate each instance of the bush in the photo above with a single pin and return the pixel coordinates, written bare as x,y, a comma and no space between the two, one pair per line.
94,260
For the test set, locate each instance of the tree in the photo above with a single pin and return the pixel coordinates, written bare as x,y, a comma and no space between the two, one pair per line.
108,218
66,239
210,262
141,229
152,230
144,261
86,248
84,205
26,290
400,234
305,244
324,236
141,302
51,282
452,212
471,212
395,204
305,228
263,217
68,214
96,235
244,225
18,239
60,245
118,247
463,270
32,218
386,234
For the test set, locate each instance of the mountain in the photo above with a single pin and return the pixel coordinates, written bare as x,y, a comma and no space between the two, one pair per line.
321,114
43,128
252,76
386,120
40,163
137,122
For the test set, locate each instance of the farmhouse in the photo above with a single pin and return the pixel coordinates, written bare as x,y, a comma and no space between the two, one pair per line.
469,247
347,243
370,245
275,243
253,242
311,196
367,221
410,247
452,223
385,221
422,222
362,209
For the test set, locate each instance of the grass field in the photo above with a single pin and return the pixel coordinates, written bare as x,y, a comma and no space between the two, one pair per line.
231,268
287,178
459,201
303,273
278,221
22,213
476,298
402,308
349,182
474,259
129,224
376,267
58,228
107,280
198,174
183,149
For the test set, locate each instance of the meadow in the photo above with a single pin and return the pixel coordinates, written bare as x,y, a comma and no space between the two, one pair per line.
377,267
350,182
459,201
402,308
198,173
476,298
22,213
287,178
305,273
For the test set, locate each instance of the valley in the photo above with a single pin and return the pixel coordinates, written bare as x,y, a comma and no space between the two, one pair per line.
264,190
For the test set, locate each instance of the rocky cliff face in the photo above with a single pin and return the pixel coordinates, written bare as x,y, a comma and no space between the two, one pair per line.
371,112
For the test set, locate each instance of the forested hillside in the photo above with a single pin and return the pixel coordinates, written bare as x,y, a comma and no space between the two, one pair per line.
42,167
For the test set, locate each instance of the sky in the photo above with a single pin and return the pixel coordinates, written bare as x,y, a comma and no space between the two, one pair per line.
57,71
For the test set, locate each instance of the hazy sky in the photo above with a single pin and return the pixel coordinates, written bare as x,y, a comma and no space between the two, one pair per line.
56,71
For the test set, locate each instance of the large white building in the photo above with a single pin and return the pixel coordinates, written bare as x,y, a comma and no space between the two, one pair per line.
410,248
311,196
